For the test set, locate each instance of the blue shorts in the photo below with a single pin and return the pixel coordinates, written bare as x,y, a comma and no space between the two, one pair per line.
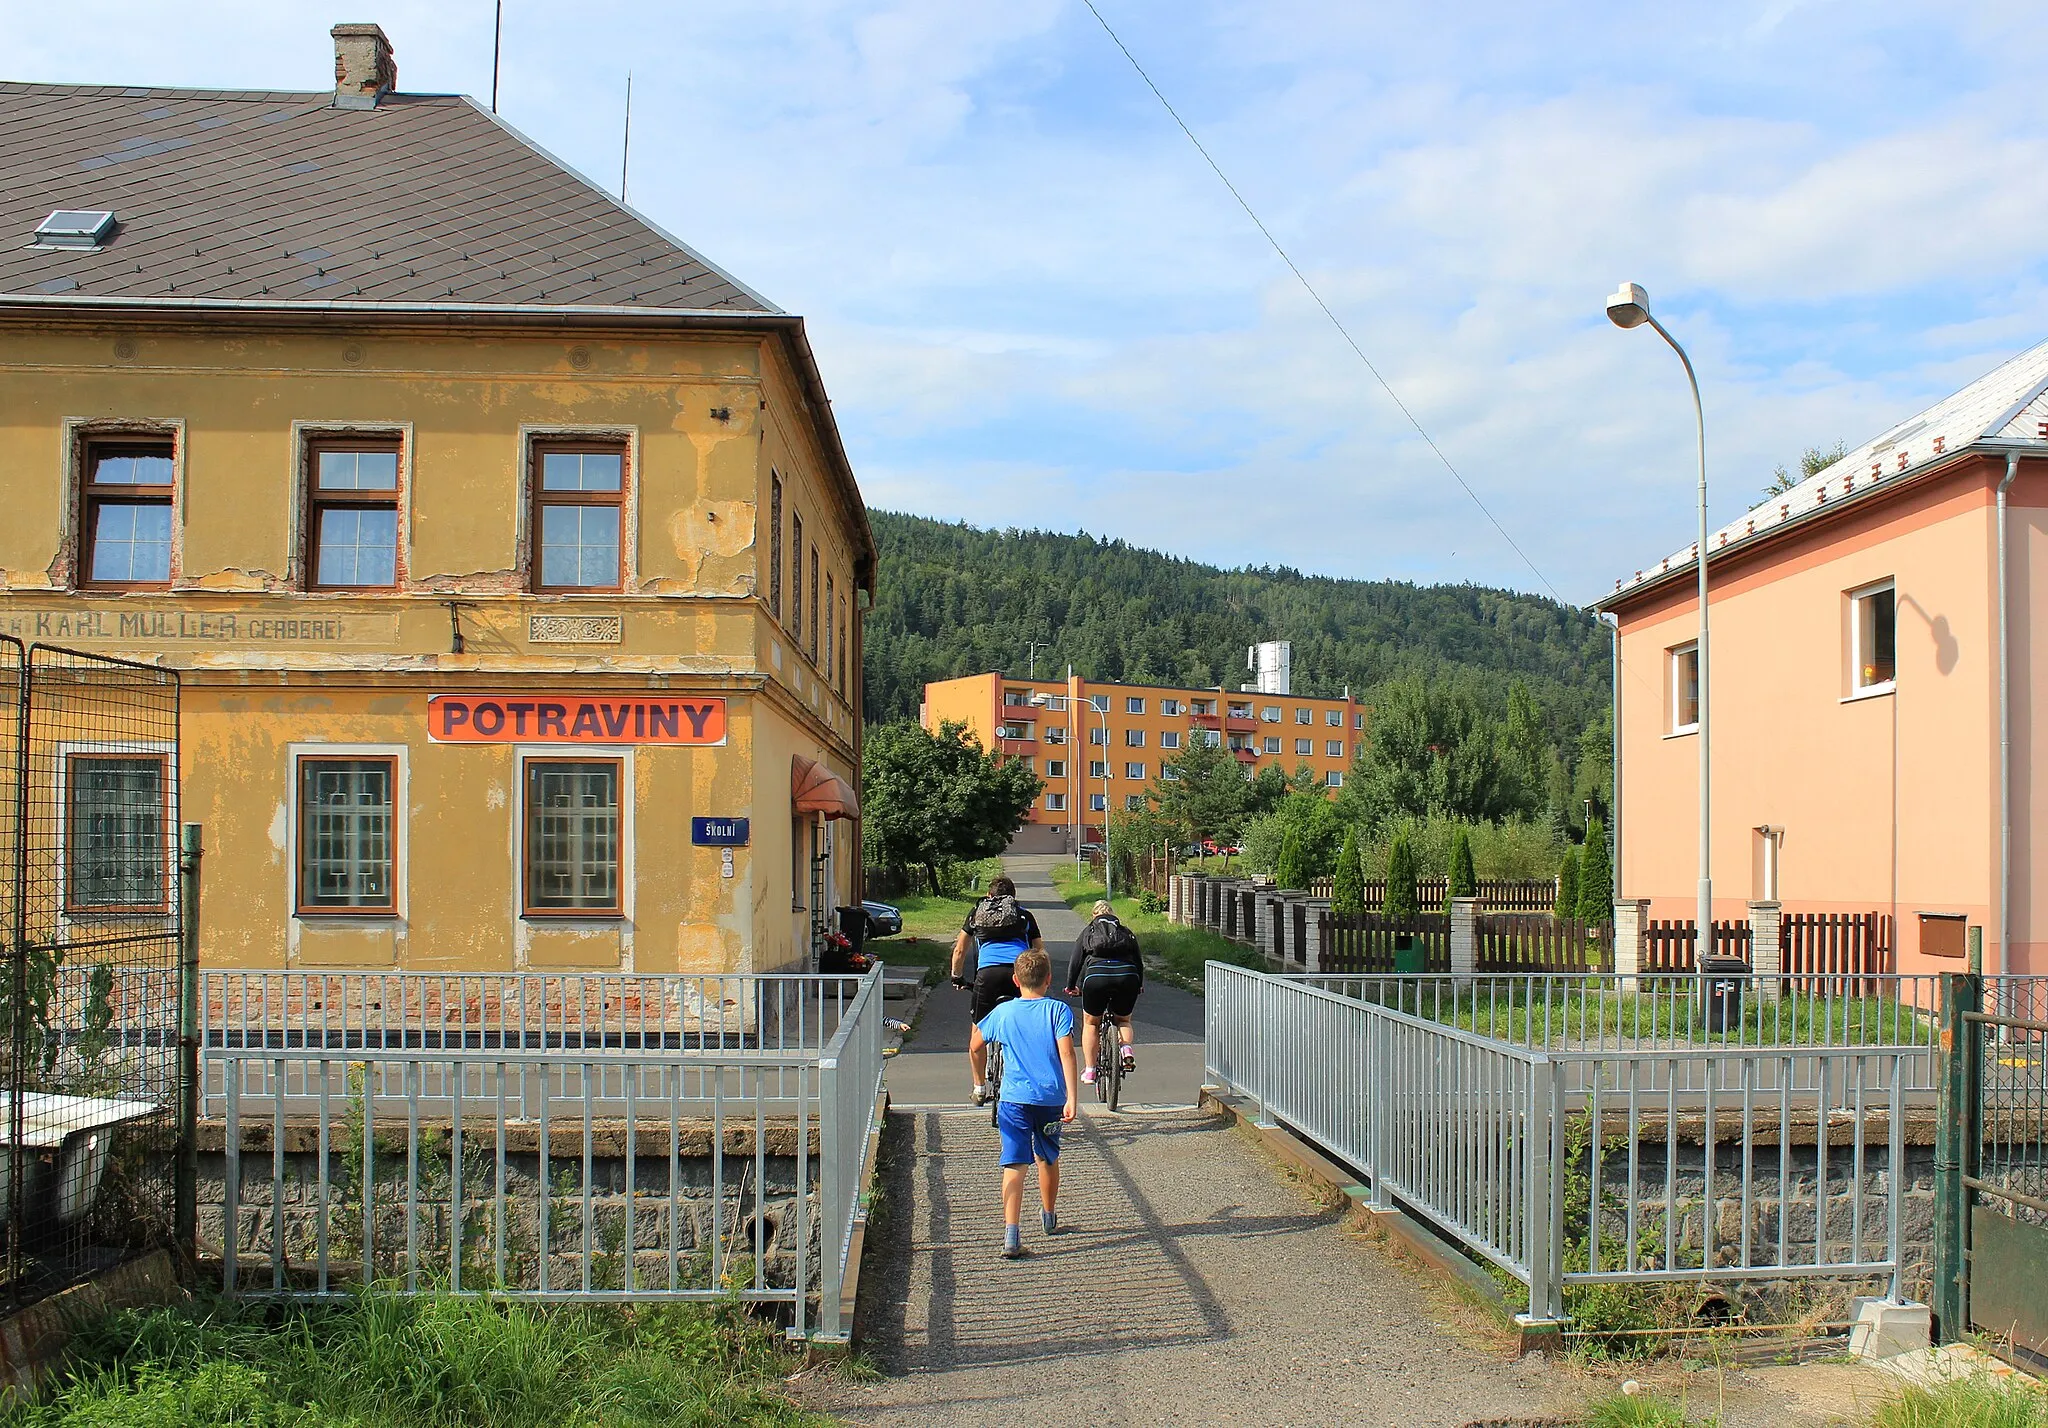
1029,1132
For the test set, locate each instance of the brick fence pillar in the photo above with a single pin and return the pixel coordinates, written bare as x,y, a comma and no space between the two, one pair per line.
1767,949
1630,916
1464,937
1312,934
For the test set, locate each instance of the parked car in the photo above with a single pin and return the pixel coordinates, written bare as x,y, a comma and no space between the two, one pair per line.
883,920
1090,848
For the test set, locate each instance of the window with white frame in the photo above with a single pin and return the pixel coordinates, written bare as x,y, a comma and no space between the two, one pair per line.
1270,714
1204,706
1134,801
1304,747
1334,779
1304,716
1169,739
115,826
1098,769
1358,721
1099,702
1685,688
1241,710
1098,803
1055,803
1099,737
1272,744
1169,774
1055,768
1134,738
1875,638
1334,718
348,843
1136,771
1169,707
1333,748
1054,735
1133,705
1212,737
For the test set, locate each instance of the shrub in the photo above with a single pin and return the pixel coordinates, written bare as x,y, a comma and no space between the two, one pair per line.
1568,884
1292,869
1347,893
1400,900
1150,901
1596,877
1464,881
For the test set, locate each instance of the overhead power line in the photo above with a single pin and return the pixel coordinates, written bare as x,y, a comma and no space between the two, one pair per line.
1310,289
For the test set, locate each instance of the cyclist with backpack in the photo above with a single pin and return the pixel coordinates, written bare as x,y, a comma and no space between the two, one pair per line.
998,931
1108,971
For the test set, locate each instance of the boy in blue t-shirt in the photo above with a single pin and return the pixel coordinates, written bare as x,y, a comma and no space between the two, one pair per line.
1036,1033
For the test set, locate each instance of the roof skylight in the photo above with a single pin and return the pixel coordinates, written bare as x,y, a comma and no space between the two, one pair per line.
75,228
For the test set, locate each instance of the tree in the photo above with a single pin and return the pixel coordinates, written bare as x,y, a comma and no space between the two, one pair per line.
930,799
1463,881
1812,462
1347,891
1400,900
1206,796
1568,884
1432,750
1596,877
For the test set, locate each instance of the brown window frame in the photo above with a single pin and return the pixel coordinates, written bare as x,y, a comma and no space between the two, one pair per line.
796,600
617,909
302,908
538,500
811,648
319,502
775,544
92,495
162,906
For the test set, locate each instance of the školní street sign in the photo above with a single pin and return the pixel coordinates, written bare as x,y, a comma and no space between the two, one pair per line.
719,832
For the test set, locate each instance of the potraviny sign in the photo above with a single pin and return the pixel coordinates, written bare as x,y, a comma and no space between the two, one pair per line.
574,719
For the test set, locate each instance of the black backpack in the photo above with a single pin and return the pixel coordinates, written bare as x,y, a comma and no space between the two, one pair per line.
1111,941
997,919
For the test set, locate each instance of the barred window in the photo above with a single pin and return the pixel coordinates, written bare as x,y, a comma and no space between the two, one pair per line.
347,847
114,833
572,836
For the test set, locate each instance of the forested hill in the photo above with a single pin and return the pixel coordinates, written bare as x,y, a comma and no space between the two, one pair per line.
954,600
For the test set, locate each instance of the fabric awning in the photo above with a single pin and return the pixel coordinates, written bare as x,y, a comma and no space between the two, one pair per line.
816,789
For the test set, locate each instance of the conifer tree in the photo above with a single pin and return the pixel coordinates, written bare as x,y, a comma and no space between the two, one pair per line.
1347,891
1596,877
1291,869
1568,884
1463,881
1400,899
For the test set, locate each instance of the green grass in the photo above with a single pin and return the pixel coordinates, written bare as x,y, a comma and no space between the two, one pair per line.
1176,953
385,1361
931,923
1637,1410
1979,1401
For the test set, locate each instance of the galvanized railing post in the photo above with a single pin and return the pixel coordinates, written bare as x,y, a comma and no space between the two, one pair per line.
1543,1166
1961,994
185,1192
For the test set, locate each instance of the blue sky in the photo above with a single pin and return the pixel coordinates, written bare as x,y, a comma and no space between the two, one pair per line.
1035,305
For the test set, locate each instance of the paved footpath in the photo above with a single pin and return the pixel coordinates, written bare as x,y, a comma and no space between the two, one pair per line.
1194,1285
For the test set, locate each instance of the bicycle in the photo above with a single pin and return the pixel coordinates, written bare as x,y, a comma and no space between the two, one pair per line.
995,1082
1109,1061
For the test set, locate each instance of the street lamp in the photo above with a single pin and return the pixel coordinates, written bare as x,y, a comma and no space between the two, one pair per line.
1630,307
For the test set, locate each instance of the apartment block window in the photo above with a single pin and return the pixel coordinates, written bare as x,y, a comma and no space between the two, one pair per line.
812,647
1135,771
1054,735
1013,731
1205,706
775,545
1334,748
1169,739
572,837
579,499
1134,801
796,591
1025,759
116,808
347,847
1098,769
1304,747
1133,705
1134,738
1875,657
1099,737
1099,703
1272,744
1685,689
1169,774
1098,803
1334,718
1334,779
1169,707
1213,737
1055,803
1016,699
1240,711
1358,722
127,521
1304,716
352,515
1240,742
1055,768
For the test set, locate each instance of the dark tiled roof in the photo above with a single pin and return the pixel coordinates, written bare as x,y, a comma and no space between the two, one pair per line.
281,197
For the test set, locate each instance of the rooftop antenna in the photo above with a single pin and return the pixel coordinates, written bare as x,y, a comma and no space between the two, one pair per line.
497,44
626,144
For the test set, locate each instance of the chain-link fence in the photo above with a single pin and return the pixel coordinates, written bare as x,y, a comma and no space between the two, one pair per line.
90,893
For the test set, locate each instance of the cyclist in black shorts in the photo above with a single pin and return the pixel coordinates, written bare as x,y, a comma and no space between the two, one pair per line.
998,931
1108,972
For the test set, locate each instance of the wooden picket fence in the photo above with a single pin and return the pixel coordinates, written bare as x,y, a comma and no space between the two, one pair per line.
1838,944
1366,943
1668,945
1495,894
1538,942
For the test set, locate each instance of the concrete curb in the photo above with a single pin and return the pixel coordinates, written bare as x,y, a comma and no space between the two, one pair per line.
1410,1236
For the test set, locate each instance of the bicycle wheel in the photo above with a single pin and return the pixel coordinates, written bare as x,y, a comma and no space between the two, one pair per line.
1110,1076
995,1079
1105,1034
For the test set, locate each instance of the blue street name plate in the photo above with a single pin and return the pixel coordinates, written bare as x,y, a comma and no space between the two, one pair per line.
719,832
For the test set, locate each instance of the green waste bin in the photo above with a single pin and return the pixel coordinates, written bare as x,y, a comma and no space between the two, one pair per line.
1409,955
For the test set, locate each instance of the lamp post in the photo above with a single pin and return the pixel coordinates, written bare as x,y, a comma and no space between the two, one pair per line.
1630,307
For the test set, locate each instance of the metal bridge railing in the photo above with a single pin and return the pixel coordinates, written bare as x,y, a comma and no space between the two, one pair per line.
555,1172
1567,1166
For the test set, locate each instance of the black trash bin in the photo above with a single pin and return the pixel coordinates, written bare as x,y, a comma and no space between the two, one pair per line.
1721,991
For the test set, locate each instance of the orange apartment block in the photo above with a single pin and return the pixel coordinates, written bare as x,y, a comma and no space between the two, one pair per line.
1876,662
1099,746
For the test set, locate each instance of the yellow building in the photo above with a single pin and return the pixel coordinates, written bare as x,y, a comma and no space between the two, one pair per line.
1100,746
506,547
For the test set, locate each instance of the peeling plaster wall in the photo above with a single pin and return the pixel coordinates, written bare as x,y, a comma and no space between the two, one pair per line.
269,668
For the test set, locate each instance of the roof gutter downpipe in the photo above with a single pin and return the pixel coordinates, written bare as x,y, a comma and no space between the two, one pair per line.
1613,623
2012,469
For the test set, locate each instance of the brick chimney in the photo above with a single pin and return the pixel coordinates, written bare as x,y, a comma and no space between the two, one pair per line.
364,70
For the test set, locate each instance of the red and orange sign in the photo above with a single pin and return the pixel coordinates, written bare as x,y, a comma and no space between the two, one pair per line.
574,719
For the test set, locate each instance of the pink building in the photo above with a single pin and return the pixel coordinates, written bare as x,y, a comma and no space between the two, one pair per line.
1869,654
